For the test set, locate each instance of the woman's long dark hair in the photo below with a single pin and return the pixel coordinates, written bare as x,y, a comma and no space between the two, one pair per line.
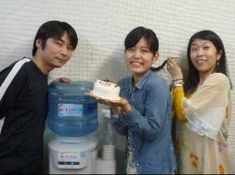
155,69
192,80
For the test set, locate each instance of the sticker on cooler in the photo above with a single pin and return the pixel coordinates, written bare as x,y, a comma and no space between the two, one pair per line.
74,110
72,160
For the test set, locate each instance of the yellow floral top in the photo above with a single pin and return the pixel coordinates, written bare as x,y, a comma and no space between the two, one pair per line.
201,127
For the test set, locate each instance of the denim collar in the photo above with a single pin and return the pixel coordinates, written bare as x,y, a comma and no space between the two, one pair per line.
141,82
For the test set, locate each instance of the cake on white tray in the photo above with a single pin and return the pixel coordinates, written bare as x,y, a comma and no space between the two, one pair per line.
106,90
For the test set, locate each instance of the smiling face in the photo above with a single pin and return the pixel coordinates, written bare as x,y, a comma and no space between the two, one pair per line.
204,56
139,58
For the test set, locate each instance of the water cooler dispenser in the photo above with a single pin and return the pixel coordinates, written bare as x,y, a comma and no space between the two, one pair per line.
72,117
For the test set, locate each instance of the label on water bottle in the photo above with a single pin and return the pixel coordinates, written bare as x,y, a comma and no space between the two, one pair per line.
74,110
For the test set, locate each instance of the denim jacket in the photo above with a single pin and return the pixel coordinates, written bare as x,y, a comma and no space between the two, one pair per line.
149,124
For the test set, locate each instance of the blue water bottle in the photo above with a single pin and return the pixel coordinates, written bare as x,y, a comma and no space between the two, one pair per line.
71,112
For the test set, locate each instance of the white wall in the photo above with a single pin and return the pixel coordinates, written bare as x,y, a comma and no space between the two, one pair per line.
103,24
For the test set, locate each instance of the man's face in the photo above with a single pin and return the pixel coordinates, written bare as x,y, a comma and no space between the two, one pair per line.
56,52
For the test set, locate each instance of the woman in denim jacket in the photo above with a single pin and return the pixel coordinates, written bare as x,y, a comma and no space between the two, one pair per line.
143,114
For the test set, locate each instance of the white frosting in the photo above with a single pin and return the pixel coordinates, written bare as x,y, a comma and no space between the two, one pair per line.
106,90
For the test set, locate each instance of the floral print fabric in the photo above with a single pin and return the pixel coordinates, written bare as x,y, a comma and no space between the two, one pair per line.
201,139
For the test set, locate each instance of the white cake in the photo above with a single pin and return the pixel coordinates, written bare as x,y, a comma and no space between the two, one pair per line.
106,90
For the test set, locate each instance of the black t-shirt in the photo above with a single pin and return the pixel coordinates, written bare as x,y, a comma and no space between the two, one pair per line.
24,106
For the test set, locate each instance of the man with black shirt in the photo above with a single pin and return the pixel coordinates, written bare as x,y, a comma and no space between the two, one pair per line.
24,103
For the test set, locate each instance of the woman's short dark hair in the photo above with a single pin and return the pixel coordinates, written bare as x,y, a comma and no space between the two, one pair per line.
134,36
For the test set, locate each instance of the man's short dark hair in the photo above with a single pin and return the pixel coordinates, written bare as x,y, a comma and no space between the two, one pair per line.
55,29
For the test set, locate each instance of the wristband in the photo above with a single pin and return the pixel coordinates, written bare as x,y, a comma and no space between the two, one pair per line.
178,79
178,83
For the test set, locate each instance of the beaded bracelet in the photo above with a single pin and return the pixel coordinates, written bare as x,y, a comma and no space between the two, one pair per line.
178,83
178,79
